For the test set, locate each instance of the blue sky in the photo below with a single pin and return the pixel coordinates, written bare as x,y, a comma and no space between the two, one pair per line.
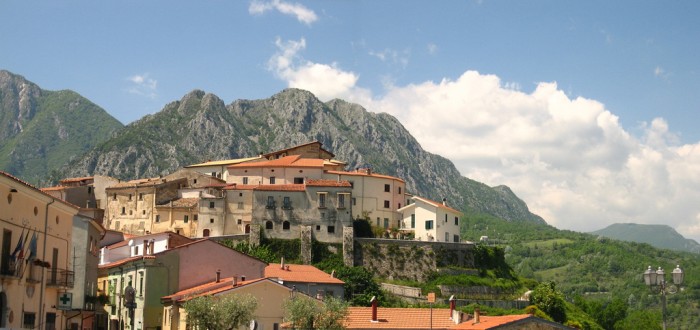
586,109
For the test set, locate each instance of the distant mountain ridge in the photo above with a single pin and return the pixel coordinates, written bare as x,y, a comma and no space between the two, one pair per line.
41,130
660,236
201,127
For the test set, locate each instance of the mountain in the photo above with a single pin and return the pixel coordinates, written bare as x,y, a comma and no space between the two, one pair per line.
42,130
200,127
660,236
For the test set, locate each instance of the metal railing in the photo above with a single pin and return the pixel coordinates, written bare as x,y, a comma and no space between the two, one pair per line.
60,277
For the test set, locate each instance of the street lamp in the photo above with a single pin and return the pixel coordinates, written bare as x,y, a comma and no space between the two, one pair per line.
657,278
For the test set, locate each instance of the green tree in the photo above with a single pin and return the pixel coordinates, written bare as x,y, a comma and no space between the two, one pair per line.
306,313
550,301
640,319
221,312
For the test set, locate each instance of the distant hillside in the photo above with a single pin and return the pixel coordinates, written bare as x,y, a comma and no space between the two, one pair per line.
661,236
201,127
42,130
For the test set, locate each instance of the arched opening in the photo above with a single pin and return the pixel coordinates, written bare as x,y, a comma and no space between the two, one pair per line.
268,225
205,233
285,225
247,229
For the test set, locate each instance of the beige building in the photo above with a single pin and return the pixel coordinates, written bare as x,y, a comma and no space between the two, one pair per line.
430,221
36,260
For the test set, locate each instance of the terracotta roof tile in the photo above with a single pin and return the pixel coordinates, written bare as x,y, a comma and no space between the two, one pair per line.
490,322
56,188
327,183
280,187
374,175
437,204
181,202
300,273
223,162
398,318
124,261
209,288
71,180
288,161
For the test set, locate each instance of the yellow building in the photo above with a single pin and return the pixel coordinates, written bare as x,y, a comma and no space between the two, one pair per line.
36,263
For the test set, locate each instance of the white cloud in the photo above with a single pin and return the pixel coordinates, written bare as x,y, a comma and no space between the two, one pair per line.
143,85
659,72
568,158
299,11
392,56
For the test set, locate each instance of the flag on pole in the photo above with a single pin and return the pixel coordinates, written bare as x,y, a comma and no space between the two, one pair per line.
17,253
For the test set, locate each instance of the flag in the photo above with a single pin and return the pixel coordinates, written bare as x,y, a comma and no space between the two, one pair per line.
32,247
17,253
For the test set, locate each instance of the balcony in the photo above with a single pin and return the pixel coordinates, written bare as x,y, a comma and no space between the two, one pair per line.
60,278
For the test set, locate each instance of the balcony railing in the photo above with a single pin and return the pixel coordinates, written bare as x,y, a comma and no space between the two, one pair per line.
60,277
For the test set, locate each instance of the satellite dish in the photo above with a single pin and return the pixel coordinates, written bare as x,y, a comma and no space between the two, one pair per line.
253,325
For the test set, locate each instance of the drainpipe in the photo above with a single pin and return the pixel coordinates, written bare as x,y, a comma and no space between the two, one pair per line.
43,257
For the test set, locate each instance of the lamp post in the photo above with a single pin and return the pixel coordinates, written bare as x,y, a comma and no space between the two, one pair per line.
654,279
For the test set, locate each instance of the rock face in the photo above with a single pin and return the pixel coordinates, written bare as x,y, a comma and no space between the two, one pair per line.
660,236
41,130
200,127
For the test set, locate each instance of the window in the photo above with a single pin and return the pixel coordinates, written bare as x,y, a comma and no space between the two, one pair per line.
240,194
286,203
399,192
354,201
196,217
245,180
157,217
131,212
399,206
387,188
136,250
445,217
386,223
123,210
318,227
285,225
331,229
240,205
413,221
429,224
195,180
211,220
270,202
211,204
187,218
341,201
143,212
387,204
116,225
272,180
298,180
240,221
447,237
456,221
129,196
140,196
28,320
268,225
5,267
205,233
456,238
321,200
114,196
89,190
141,284
378,219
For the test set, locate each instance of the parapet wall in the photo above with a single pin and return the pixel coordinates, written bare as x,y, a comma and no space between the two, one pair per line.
410,260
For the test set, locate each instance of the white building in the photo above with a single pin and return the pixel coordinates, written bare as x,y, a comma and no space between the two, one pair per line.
430,221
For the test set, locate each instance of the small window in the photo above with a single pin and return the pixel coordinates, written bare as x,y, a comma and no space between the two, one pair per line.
28,320
272,180
114,196
140,196
447,237
318,227
89,190
322,200
131,212
240,205
245,180
387,188
445,217
270,202
341,201
143,212
123,210
387,204
157,217
413,221
211,204
268,225
298,180
354,201
205,233
331,229
456,221
429,224
136,250
129,196
285,225
240,194
240,221
386,223
399,192
196,217
399,206
456,238
286,203
187,218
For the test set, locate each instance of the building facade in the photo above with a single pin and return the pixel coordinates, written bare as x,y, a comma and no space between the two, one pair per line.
430,221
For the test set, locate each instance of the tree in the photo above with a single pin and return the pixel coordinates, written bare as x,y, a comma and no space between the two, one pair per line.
307,313
221,312
550,301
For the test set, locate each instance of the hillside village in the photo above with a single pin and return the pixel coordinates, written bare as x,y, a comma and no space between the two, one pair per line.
100,253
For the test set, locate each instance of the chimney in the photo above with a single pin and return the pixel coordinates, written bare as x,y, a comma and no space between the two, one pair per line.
444,201
286,267
145,247
242,278
374,308
477,313
152,246
333,274
218,275
452,305
234,282
282,263
369,171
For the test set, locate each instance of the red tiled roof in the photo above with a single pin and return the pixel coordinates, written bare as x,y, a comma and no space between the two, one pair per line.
490,322
128,237
71,180
374,175
288,161
327,183
298,146
181,202
209,288
437,204
56,188
18,180
300,273
148,182
280,187
398,318
124,261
